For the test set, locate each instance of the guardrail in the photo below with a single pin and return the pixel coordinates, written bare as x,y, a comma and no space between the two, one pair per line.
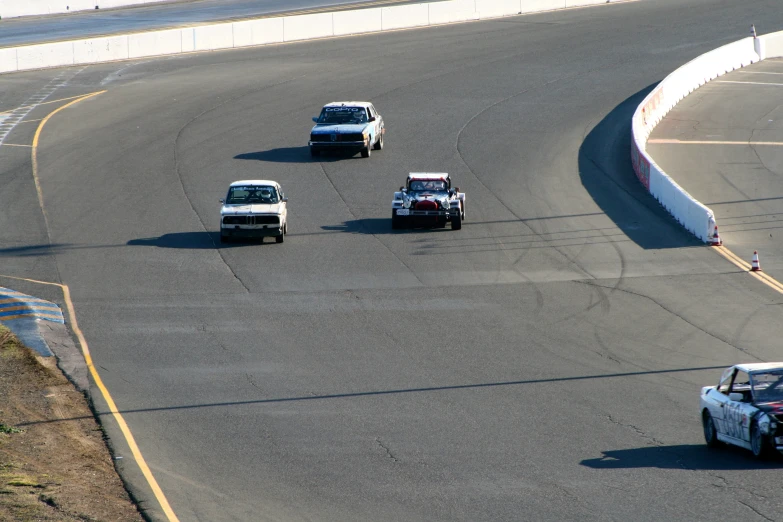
690,213
263,31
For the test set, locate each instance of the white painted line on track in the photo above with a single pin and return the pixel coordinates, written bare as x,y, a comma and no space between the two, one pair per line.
664,141
10,119
751,83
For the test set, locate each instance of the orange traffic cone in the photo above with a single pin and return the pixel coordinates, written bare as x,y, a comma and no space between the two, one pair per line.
715,239
756,266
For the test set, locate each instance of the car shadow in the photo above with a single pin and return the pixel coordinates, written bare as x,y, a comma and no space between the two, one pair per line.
377,227
684,456
296,155
194,241
607,174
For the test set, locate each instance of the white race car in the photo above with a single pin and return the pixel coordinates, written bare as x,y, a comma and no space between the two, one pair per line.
254,209
745,408
350,125
428,200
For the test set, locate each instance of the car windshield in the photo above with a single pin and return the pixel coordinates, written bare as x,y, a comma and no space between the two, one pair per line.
343,115
245,195
419,185
767,386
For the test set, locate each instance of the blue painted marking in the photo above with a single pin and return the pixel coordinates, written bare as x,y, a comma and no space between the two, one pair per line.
33,307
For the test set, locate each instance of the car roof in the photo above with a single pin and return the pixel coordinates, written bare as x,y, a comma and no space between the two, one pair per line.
429,175
348,104
759,367
244,182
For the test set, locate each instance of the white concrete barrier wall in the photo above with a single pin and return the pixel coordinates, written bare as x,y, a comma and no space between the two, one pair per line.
452,11
693,215
307,27
497,8
357,22
99,50
771,45
258,32
531,6
405,16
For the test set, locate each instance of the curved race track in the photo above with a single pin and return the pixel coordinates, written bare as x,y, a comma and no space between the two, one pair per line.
543,363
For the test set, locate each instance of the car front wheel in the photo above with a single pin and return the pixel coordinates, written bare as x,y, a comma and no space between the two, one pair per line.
710,433
456,222
758,442
379,144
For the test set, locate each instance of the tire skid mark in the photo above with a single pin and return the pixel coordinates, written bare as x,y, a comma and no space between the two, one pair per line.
178,171
355,217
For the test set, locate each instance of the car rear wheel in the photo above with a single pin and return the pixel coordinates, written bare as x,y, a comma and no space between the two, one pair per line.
710,433
758,442
379,144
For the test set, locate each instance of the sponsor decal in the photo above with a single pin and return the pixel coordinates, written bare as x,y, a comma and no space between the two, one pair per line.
640,166
342,109
648,111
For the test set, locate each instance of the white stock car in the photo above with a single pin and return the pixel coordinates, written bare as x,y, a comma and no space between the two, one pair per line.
350,125
427,200
254,208
745,408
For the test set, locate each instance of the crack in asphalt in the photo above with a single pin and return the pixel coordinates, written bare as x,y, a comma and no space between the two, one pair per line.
756,511
389,454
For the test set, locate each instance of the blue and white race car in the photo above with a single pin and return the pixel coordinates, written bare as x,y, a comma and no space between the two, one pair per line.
351,125
745,409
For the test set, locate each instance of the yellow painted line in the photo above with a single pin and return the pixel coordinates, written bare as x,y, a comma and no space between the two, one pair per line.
744,265
701,142
40,104
134,448
15,145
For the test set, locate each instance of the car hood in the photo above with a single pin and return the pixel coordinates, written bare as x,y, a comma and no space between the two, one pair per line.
770,407
339,129
259,208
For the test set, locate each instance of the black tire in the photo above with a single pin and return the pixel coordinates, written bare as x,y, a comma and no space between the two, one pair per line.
462,207
759,444
280,238
456,222
224,239
396,222
314,152
710,433
366,152
379,144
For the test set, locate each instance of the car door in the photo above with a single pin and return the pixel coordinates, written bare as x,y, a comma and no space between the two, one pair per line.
738,413
717,398
378,123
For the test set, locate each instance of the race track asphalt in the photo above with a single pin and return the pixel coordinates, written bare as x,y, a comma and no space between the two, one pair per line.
543,363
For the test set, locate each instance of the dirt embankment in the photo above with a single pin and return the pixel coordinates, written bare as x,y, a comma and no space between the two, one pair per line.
54,462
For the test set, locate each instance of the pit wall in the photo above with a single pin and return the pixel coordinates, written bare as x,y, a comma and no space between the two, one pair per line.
690,213
261,31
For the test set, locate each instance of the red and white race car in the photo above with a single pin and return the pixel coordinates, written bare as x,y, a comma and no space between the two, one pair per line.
428,200
745,408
